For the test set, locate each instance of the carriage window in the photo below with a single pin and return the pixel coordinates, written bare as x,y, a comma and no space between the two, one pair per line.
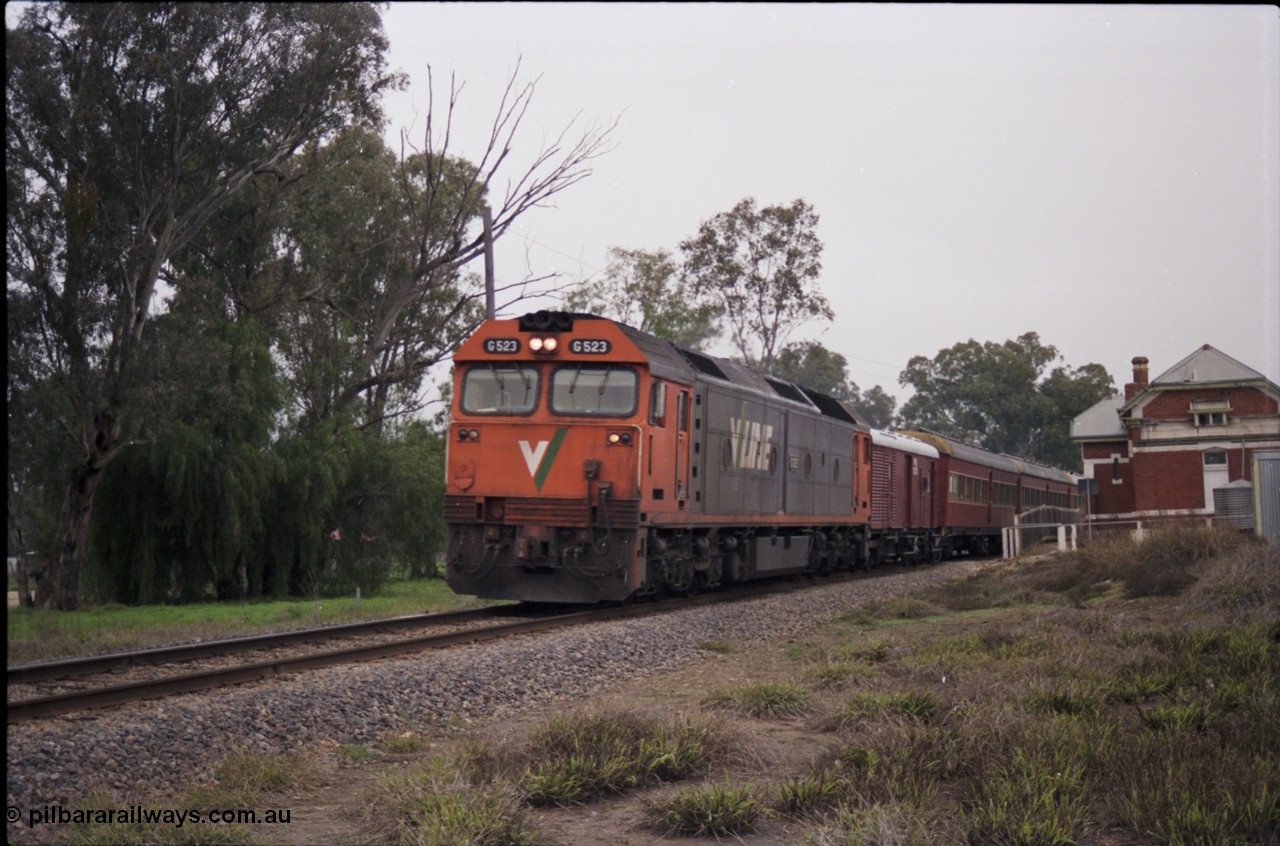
594,391
499,389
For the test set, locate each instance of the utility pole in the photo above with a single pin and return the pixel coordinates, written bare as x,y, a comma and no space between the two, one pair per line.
489,307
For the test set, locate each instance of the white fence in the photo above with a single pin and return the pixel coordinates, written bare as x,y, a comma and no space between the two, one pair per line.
1068,537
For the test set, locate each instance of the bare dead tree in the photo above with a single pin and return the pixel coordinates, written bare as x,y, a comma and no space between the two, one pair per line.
444,200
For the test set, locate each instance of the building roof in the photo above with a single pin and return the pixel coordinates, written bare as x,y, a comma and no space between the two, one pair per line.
1205,366
1208,365
1101,421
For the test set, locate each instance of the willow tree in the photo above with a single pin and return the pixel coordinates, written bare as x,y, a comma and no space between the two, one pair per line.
129,126
180,512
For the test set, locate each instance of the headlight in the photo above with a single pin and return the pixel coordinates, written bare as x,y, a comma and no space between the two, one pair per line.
543,345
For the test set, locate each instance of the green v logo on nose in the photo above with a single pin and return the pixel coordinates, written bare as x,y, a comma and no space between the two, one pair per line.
539,458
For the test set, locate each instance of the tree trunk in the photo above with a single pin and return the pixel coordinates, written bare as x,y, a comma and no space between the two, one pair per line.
18,538
60,587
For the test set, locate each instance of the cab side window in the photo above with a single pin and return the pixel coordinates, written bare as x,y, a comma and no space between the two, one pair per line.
658,403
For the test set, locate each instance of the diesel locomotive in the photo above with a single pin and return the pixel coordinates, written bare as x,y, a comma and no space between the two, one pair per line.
591,462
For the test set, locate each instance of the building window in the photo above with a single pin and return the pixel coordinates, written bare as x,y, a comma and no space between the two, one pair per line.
1215,458
1213,412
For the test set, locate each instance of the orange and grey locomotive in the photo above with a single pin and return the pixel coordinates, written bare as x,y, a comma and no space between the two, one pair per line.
590,462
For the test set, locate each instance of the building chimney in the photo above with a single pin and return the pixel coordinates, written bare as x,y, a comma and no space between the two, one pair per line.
1139,378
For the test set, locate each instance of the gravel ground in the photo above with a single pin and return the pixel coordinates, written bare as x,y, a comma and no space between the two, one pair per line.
148,747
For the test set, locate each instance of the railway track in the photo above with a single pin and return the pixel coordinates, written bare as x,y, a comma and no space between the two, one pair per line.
282,649
68,701
71,667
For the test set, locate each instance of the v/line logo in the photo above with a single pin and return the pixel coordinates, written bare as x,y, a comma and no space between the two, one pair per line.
750,442
540,456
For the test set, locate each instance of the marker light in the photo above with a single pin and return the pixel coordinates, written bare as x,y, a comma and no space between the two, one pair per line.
616,438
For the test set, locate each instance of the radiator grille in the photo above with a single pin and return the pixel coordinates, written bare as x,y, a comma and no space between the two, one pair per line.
459,509
556,511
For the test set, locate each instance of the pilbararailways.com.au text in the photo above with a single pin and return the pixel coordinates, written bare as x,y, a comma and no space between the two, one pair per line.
140,815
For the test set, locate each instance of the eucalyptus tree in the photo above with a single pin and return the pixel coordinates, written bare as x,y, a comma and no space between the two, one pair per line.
128,127
1003,397
644,289
762,265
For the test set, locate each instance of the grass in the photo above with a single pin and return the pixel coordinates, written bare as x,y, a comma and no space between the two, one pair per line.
913,705
1035,798
432,804
1100,703
581,758
709,811
482,791
36,634
1061,701
407,743
838,675
765,700
244,780
450,818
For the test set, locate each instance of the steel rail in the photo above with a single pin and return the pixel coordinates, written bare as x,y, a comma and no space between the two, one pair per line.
64,703
72,667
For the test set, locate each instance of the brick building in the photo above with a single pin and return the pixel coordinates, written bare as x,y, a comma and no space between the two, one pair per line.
1162,447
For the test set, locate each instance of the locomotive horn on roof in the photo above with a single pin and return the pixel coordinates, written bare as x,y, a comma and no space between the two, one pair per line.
547,321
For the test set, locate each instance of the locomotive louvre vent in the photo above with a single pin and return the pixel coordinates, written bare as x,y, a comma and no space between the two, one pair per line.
829,406
703,364
787,390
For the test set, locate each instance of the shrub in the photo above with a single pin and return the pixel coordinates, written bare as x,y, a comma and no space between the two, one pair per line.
1246,580
1169,560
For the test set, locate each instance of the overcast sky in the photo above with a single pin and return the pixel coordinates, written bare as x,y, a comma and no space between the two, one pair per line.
1106,176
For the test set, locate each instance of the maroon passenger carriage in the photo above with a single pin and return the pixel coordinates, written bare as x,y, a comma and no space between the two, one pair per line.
984,492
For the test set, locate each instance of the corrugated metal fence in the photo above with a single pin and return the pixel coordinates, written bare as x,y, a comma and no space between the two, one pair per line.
1266,494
